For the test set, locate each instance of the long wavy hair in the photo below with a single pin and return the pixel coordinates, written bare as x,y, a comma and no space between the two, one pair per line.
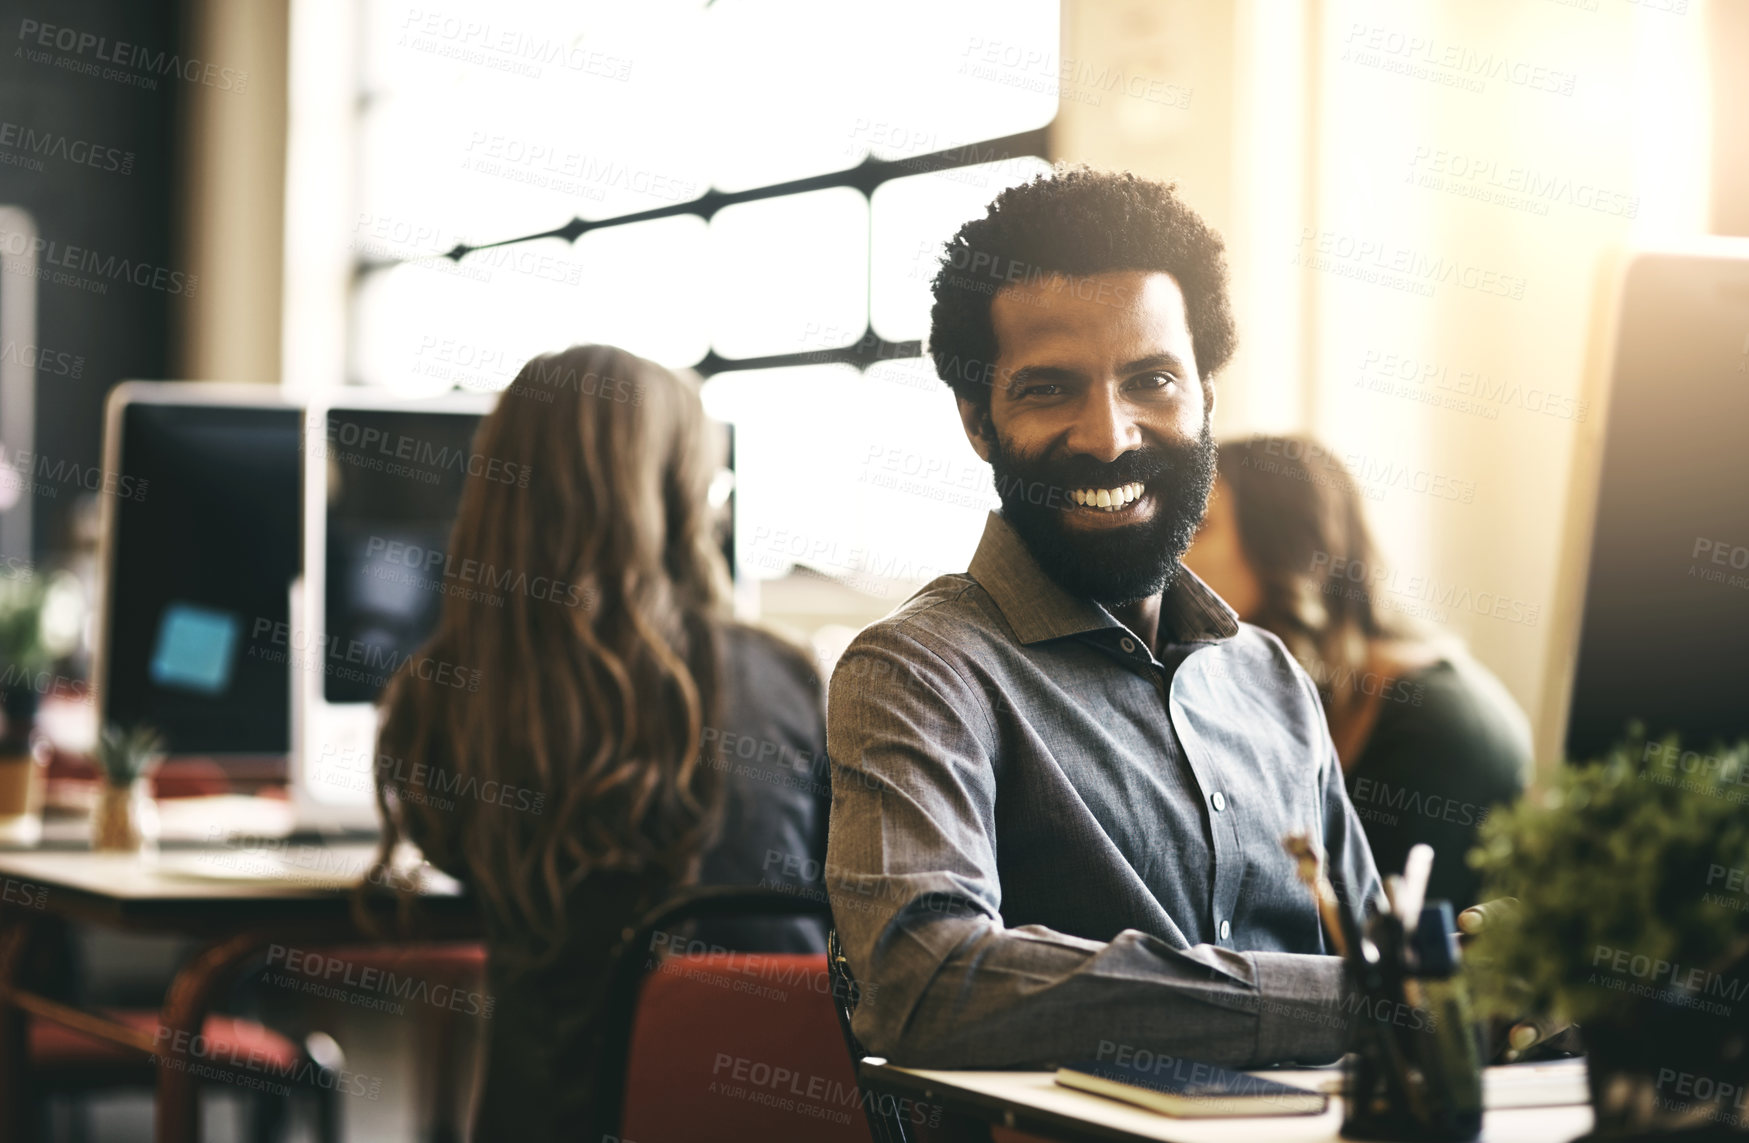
1302,527
596,660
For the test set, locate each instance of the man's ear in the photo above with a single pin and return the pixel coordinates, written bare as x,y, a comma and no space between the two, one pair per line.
979,429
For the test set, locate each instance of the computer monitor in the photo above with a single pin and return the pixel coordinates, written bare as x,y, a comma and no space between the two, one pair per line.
1664,630
382,483
198,552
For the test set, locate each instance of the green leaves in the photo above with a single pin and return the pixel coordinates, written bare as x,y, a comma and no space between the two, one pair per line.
1631,872
128,754
21,601
40,617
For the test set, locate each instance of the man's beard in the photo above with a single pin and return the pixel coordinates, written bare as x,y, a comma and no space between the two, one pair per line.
1111,566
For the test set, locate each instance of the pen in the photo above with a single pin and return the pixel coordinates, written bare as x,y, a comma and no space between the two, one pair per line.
1412,894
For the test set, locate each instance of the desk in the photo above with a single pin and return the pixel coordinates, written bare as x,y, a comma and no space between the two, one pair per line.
239,901
1033,1102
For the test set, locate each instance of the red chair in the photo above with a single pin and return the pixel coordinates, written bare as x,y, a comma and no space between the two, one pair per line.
61,1052
64,1061
740,1046
725,1046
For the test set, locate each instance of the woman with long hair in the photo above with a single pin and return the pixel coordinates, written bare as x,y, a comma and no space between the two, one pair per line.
587,776
1429,740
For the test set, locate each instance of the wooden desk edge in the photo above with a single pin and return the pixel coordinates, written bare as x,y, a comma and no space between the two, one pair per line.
883,1077
205,917
1003,1113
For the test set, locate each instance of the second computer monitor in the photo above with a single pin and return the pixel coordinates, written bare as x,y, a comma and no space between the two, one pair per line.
1665,629
383,479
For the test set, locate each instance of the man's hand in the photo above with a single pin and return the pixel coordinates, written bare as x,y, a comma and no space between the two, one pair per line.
1538,1035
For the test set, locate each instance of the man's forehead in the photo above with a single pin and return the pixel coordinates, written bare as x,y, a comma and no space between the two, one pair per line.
1075,305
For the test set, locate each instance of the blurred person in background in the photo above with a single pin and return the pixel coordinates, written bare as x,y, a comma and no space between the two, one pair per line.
1428,738
613,699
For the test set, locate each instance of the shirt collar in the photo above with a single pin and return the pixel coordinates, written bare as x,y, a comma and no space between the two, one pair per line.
1039,609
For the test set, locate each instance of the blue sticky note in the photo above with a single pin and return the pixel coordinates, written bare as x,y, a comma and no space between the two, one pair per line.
196,649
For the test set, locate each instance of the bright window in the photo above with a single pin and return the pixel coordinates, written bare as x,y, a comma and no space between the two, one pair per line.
474,129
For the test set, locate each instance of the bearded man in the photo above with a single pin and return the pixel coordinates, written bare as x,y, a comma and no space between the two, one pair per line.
1061,780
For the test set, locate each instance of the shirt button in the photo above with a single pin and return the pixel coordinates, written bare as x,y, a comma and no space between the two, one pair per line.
1219,800
1128,644
1226,930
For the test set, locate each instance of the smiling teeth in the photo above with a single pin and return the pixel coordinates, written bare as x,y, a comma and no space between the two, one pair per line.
1110,499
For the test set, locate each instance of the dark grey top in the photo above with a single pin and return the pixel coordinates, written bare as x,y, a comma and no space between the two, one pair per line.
1045,839
1448,747
545,1036
771,748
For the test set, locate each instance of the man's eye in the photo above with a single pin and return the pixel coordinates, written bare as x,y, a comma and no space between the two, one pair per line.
1158,380
1043,389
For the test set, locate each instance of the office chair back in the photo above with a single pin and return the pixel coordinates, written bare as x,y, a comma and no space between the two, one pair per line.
739,1046
723,1045
885,1123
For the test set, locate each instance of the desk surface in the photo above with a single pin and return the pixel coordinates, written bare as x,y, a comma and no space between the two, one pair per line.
196,874
1034,1102
189,888
241,899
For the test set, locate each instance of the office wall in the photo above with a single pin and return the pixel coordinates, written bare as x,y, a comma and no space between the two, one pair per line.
231,212
92,157
1728,34
1419,201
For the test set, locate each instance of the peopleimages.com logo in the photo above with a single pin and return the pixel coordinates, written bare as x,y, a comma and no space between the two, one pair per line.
45,475
33,145
53,362
387,446
80,259
133,63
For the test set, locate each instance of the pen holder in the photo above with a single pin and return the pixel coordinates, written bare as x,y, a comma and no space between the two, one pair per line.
1414,1071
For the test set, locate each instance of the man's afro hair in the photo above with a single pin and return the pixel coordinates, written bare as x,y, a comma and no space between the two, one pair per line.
1075,222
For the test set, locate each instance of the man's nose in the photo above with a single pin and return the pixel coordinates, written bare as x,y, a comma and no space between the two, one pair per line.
1105,427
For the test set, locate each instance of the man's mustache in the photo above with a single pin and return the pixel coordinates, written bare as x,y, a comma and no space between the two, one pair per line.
1138,466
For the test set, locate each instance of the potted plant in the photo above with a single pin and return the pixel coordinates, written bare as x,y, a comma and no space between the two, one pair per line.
22,658
40,618
1631,877
124,817
22,654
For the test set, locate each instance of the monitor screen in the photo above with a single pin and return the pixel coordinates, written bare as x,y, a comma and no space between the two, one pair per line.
203,553
394,482
1665,631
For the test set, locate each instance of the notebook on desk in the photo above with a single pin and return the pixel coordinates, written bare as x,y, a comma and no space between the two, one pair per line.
1190,1090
